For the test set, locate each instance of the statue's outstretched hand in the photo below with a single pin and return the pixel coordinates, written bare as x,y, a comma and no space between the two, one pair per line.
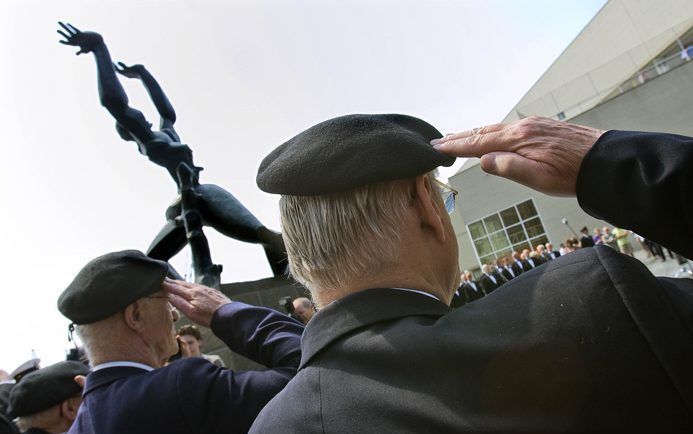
133,71
86,41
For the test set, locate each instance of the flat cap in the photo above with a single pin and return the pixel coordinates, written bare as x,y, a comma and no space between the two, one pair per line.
45,388
109,283
351,151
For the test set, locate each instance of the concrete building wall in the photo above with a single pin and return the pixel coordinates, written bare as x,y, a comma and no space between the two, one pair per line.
621,39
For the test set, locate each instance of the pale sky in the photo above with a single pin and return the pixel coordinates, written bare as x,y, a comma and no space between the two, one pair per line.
244,76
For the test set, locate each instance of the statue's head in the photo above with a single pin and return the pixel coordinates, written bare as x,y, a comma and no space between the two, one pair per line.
124,133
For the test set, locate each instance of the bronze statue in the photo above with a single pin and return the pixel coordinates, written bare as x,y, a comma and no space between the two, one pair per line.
197,204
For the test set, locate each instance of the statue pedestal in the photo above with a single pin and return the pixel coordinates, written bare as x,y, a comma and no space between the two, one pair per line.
263,292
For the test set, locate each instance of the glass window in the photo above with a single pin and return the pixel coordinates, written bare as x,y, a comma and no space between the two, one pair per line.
509,216
476,230
543,239
520,247
527,209
493,223
488,259
516,234
499,240
513,229
534,227
483,247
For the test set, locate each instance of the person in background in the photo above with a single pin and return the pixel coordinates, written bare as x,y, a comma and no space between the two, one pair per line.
303,309
46,401
623,241
585,238
550,253
597,237
609,238
192,337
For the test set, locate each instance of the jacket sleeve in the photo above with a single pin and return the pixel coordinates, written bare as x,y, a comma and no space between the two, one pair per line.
261,334
642,182
215,399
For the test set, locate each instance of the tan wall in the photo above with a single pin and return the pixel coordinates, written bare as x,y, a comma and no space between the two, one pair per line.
622,38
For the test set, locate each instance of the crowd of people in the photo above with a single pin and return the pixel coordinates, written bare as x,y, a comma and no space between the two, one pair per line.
506,268
584,341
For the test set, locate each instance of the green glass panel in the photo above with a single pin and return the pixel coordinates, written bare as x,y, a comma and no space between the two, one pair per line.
499,240
510,216
493,223
527,210
483,247
476,230
516,234
534,227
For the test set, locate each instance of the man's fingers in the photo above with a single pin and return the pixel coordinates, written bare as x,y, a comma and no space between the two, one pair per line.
64,35
67,29
175,288
468,133
181,303
474,145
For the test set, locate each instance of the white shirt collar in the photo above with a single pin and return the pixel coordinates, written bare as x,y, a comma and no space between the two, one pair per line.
122,364
418,291
7,382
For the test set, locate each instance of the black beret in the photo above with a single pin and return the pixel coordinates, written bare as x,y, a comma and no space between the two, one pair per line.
351,151
109,283
45,388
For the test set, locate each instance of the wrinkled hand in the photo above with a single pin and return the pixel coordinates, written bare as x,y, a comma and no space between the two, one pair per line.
197,302
133,71
538,152
86,41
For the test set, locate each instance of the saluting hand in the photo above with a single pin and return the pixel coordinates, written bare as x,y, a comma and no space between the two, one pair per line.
538,152
197,302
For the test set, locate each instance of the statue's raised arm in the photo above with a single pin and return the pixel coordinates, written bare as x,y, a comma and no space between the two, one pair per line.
161,147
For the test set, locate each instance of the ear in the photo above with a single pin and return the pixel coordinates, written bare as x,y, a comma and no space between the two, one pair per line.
430,207
134,315
70,406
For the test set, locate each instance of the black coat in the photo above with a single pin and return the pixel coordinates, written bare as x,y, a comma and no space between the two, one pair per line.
507,275
488,285
591,342
472,293
192,395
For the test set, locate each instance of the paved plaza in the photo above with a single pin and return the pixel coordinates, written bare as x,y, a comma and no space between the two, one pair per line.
668,268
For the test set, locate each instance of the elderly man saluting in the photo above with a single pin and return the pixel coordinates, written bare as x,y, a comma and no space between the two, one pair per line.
123,306
367,230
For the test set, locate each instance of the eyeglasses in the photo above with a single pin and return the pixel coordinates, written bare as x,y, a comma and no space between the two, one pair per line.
448,194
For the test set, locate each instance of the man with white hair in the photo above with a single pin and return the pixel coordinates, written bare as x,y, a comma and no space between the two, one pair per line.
123,305
303,309
367,230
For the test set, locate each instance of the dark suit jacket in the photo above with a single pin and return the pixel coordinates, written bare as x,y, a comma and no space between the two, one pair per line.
507,275
591,342
551,255
488,285
458,298
192,395
518,268
471,293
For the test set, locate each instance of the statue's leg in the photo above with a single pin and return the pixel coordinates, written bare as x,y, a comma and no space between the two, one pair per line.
168,242
227,215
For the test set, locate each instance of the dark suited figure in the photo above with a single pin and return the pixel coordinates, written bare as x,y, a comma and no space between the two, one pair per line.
125,307
470,288
490,281
217,207
586,239
591,342
550,253
6,385
506,268
518,264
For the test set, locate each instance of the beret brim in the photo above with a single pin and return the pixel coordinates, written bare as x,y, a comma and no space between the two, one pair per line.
351,151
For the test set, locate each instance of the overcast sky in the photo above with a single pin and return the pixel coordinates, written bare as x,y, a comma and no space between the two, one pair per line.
244,76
